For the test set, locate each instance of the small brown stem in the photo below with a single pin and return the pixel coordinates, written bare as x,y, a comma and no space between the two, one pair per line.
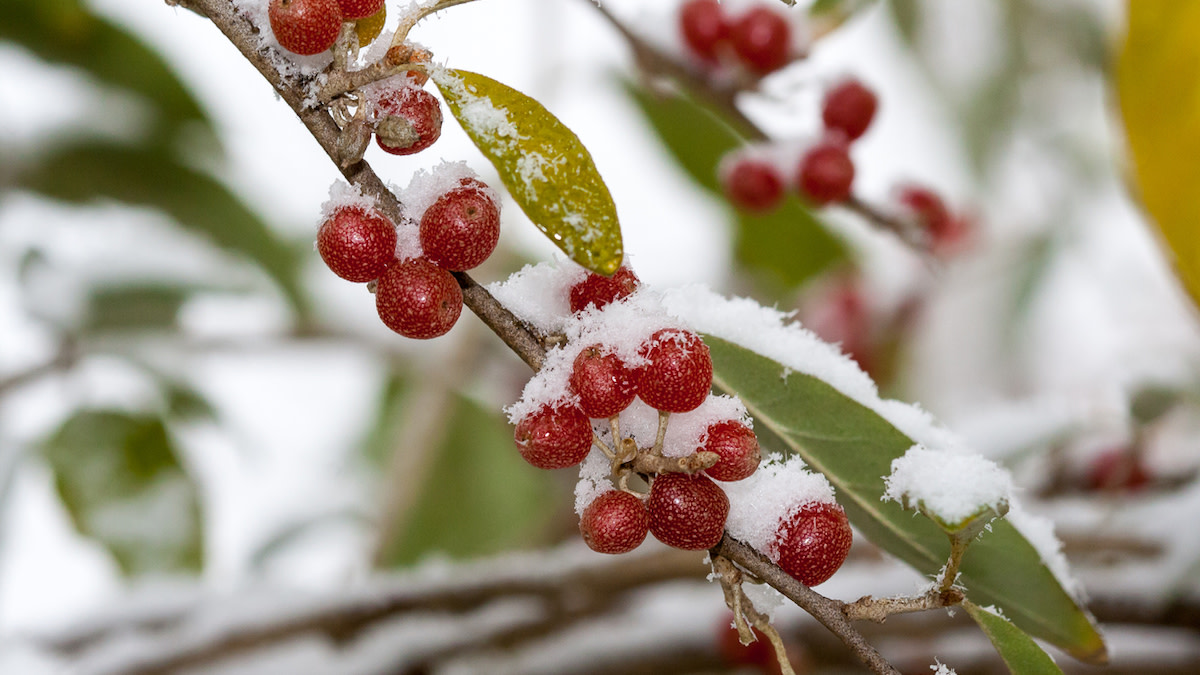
868,608
604,447
663,418
650,463
958,546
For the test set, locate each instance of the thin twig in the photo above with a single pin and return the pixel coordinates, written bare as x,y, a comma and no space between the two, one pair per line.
869,608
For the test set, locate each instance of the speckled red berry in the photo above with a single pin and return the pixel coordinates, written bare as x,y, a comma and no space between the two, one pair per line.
704,27
826,173
418,299
762,39
460,230
554,438
751,184
738,448
849,108
615,522
602,381
600,290
356,244
812,543
408,120
305,27
359,9
678,374
687,511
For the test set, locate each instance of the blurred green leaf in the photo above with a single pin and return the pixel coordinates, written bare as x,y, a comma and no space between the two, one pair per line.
384,431
545,167
479,498
1021,654
120,479
89,170
186,403
134,307
67,32
854,447
790,245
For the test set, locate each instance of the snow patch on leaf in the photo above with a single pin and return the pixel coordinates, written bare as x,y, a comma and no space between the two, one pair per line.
950,486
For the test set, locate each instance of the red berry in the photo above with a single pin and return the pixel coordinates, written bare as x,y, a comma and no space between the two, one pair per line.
460,230
753,185
418,299
704,27
678,376
600,290
849,108
357,245
604,385
687,511
554,438
762,39
813,542
305,26
946,231
1117,469
409,119
615,522
758,653
826,173
839,313
359,9
738,447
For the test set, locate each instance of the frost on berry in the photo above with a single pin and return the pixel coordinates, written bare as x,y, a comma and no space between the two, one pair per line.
359,9
813,542
604,384
849,108
738,448
826,173
615,522
677,376
762,39
687,511
357,244
752,184
600,290
554,438
305,27
704,28
460,230
418,299
408,119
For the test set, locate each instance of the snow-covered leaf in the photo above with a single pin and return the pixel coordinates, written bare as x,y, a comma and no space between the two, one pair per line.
1021,654
854,447
120,479
542,163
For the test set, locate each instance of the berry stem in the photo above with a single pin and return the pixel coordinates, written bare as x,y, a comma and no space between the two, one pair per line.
746,614
649,463
958,546
604,447
663,418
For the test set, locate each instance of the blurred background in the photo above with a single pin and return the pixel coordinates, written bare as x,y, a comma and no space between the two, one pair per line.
203,432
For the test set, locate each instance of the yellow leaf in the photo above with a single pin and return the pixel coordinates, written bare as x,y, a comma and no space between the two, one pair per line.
1158,83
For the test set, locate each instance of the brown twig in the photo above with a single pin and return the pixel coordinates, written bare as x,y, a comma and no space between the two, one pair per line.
649,463
869,608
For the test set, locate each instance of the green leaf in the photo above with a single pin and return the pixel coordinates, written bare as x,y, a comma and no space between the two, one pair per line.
134,307
120,479
1021,654
854,447
789,245
542,163
480,496
66,32
92,170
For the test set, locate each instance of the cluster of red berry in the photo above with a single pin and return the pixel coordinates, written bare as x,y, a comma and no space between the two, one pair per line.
760,39
310,27
754,180
416,297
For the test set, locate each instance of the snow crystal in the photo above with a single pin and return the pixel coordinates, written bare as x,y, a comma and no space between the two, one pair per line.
540,294
758,504
426,187
688,431
1040,533
477,113
346,195
593,480
940,668
950,486
765,598
408,241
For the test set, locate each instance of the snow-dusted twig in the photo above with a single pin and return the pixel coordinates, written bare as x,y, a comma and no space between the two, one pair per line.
868,608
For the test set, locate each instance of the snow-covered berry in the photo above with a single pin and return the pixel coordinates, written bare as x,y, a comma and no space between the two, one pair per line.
813,542
460,230
615,522
737,447
849,108
305,27
408,120
357,244
604,384
677,376
554,438
418,299
600,290
826,173
687,511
